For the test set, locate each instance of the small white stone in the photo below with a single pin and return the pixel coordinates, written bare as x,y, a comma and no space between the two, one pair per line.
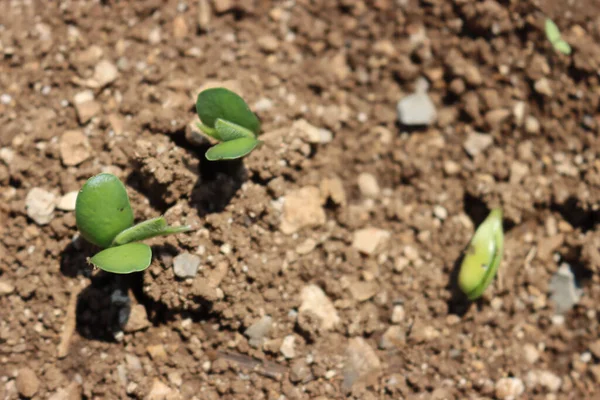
477,142
186,265
40,205
5,98
398,314
370,240
367,183
509,388
68,201
287,347
440,212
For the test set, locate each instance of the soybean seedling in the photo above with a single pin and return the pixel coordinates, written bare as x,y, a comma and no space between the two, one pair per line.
554,36
104,218
482,258
227,118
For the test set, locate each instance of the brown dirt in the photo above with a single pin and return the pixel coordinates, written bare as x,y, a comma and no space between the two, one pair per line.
341,65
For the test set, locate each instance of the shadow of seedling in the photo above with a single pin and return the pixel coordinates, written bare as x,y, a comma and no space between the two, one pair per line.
103,307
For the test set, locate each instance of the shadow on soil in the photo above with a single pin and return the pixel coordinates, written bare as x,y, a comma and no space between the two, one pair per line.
104,307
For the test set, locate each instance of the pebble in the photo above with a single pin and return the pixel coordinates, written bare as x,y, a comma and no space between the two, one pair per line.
180,28
6,288
133,362
71,392
440,212
160,391
542,86
495,117
258,331
310,133
370,240
300,372
509,388
451,167
302,209
316,302
5,98
157,352
7,155
398,314
263,104
85,106
204,15
138,319
222,6
545,379
477,142
531,353
420,332
74,148
519,112
532,125
417,108
105,73
565,293
393,337
361,360
363,291
185,265
27,382
368,186
306,247
68,201
287,347
268,43
40,205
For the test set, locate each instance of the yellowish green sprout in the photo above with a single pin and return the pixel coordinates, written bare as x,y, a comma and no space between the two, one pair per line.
104,218
554,36
227,118
483,255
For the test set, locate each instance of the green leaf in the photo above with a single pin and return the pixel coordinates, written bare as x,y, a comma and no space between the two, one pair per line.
231,150
562,47
230,131
125,259
216,103
102,209
146,230
552,31
481,261
554,36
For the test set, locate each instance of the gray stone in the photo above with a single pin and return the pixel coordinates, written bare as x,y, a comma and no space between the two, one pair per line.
258,331
565,293
417,108
186,265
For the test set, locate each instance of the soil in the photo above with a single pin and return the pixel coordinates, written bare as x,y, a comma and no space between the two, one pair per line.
333,315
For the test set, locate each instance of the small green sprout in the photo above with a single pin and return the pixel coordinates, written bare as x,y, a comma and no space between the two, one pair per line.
482,258
227,118
554,36
104,218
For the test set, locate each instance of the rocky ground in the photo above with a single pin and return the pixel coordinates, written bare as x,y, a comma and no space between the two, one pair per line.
320,267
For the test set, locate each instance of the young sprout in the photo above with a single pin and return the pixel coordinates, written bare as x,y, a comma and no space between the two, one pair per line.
227,118
553,35
482,258
104,218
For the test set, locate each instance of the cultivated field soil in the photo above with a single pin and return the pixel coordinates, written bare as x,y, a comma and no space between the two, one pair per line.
321,265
